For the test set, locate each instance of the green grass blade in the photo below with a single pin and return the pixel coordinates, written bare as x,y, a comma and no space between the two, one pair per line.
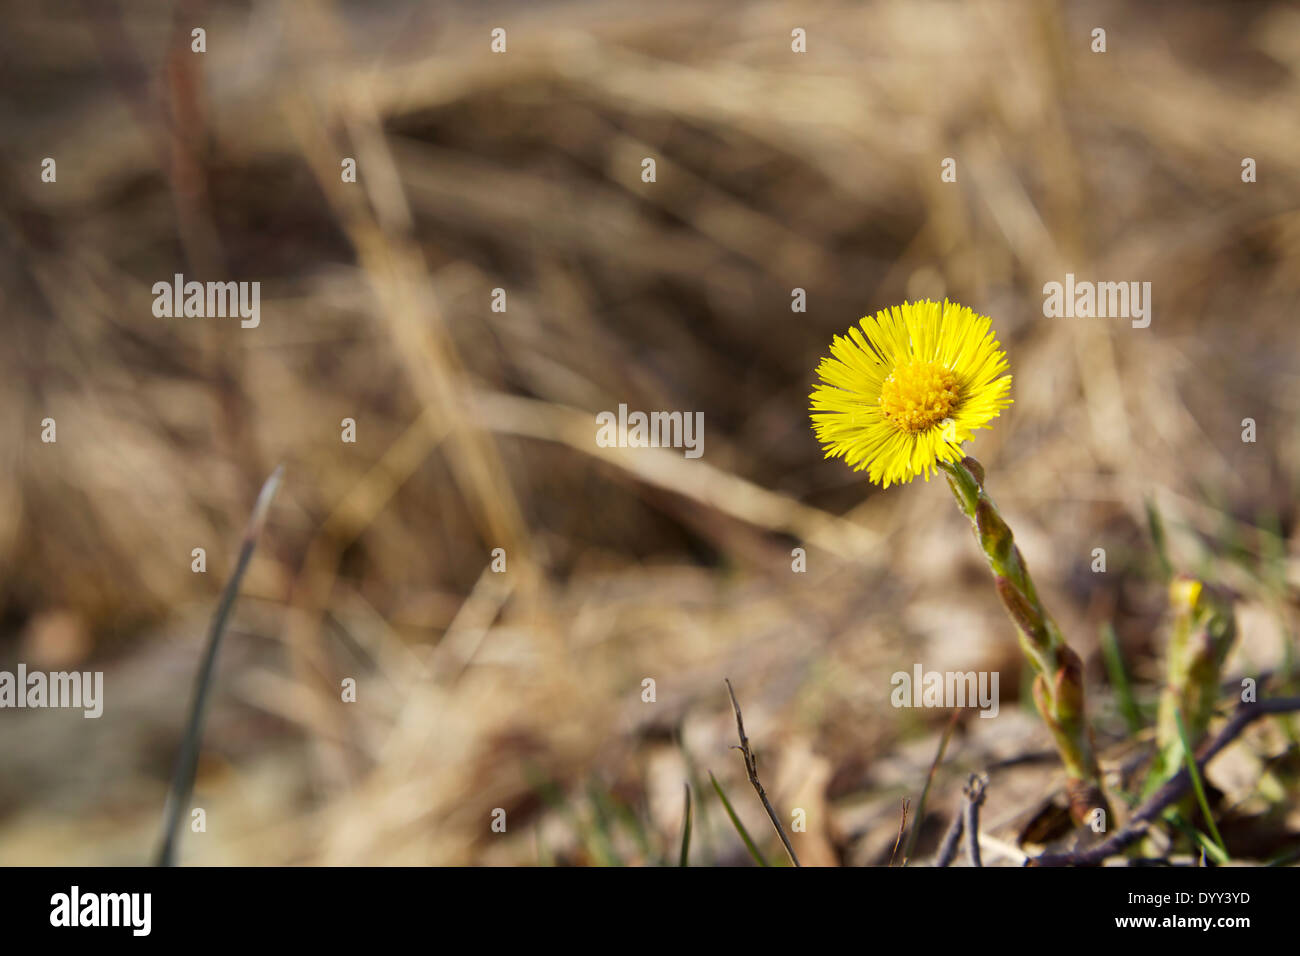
600,834
1212,849
187,761
696,784
631,821
1156,526
735,822
1195,774
1200,839
686,828
1119,678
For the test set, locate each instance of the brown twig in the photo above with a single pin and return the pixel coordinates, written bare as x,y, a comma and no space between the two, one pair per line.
951,839
929,779
965,820
751,767
1172,791
974,791
902,825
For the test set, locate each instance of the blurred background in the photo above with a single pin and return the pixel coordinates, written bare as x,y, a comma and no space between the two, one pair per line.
475,429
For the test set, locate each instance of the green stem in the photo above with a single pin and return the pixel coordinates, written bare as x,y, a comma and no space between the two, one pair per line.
1058,684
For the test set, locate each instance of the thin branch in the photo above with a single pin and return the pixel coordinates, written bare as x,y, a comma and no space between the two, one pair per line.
974,791
187,762
929,779
952,839
1173,789
965,820
902,825
751,768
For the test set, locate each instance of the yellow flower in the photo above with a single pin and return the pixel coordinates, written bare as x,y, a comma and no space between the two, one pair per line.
903,393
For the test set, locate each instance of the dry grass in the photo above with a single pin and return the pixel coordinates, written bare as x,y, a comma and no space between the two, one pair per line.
476,428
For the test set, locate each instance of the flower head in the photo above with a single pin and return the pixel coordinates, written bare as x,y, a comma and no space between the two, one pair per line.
902,393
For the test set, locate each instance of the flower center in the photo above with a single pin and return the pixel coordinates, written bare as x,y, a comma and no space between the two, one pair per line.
917,395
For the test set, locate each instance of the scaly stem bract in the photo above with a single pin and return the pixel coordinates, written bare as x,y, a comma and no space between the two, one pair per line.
1058,684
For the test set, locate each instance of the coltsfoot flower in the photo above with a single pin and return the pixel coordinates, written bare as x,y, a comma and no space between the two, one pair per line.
898,397
901,394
